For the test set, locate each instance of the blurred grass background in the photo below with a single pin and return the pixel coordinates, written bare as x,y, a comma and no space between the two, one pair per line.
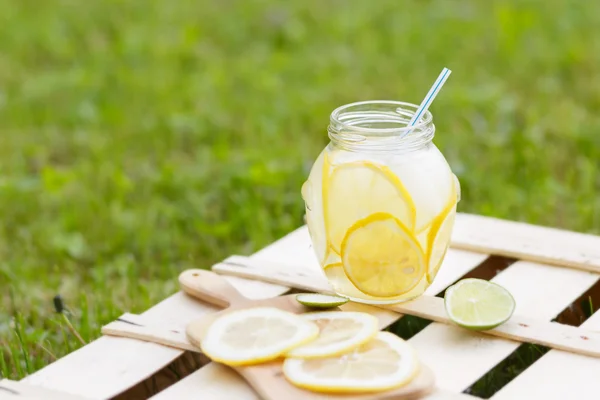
140,138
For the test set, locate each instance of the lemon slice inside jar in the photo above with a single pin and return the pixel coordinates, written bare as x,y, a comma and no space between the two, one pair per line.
381,257
358,189
440,232
313,195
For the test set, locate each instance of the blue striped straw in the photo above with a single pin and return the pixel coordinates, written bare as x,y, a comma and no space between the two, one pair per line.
435,88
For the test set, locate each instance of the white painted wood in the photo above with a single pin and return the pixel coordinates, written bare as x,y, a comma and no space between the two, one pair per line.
527,242
143,328
277,273
558,375
540,291
11,390
518,328
111,365
211,382
217,382
94,373
456,264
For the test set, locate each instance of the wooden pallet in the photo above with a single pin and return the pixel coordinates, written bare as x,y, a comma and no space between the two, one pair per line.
554,268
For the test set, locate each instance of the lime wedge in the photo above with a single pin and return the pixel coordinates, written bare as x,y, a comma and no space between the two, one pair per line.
317,300
477,304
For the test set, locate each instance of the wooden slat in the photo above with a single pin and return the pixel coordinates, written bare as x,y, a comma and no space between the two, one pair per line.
211,382
558,376
110,365
107,366
11,390
456,264
518,328
527,242
281,273
156,331
217,382
445,395
540,292
143,328
91,372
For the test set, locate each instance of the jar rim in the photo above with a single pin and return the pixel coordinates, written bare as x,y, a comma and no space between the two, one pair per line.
408,109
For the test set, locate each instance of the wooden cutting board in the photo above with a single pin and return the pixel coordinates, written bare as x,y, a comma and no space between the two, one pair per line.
267,379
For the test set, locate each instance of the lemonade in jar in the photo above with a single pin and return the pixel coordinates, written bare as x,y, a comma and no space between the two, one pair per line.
380,203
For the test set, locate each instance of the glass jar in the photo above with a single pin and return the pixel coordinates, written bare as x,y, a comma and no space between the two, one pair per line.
380,203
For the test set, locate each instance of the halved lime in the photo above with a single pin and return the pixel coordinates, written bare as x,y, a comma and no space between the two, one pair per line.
316,300
478,304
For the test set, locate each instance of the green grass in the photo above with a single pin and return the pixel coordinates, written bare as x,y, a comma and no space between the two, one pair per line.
139,138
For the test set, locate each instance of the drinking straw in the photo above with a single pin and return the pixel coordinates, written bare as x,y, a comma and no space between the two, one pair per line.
435,88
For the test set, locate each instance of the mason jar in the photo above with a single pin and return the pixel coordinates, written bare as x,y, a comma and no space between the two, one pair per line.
380,203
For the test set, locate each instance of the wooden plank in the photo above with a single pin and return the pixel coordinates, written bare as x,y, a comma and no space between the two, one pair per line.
540,291
456,264
217,382
110,365
11,390
558,375
527,242
106,367
211,382
518,328
143,328
274,272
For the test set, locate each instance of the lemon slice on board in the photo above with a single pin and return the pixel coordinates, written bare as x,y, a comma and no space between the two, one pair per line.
384,362
317,300
381,257
255,335
356,189
340,332
478,304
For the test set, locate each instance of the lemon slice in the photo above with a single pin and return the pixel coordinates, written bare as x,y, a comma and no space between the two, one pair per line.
312,193
478,304
384,362
439,241
340,332
255,335
357,189
381,257
438,238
